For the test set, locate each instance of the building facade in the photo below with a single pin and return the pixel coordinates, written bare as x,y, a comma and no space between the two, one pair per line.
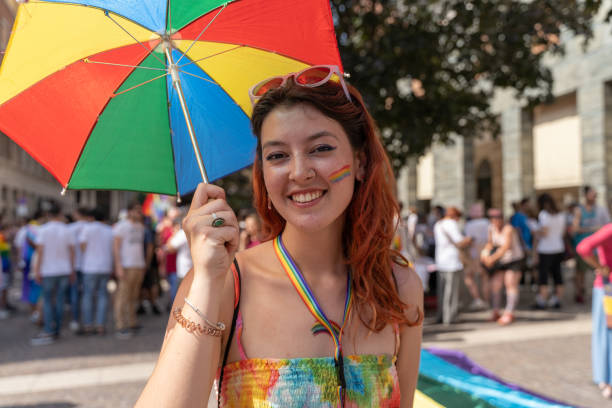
25,184
554,148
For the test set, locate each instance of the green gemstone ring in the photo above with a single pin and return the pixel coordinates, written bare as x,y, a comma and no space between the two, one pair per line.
217,221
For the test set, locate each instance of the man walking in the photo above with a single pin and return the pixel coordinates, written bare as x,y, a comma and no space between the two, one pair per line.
96,242
54,271
130,264
449,241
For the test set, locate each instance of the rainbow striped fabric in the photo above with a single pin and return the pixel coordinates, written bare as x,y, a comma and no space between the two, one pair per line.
447,378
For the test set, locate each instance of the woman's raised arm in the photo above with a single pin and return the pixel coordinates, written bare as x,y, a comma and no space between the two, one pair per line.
188,361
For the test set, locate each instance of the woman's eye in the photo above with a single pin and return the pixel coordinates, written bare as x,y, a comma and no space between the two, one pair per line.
324,148
274,156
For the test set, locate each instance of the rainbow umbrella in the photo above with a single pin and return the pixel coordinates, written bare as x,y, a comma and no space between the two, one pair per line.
150,95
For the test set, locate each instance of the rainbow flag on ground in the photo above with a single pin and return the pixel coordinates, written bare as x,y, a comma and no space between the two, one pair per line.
448,379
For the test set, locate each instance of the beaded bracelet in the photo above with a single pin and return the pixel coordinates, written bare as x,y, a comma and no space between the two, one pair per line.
218,325
193,326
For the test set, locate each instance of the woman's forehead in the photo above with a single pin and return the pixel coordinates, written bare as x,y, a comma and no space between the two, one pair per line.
299,123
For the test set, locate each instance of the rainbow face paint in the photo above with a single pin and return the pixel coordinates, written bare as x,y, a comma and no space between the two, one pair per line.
338,175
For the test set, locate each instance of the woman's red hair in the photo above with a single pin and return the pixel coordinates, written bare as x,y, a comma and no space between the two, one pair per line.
370,217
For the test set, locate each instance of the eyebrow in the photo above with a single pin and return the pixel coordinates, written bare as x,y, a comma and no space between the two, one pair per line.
310,138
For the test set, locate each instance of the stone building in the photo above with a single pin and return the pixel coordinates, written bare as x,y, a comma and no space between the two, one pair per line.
554,148
24,183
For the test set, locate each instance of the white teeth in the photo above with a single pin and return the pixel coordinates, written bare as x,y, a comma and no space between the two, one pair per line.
306,198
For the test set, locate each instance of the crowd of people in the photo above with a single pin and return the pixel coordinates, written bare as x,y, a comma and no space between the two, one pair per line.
83,262
492,253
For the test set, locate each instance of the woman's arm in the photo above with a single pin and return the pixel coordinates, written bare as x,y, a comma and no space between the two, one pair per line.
188,361
507,233
411,292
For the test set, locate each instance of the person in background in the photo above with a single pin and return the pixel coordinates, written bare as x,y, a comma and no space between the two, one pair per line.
178,244
5,249
550,250
601,339
54,271
79,217
149,292
96,243
588,218
167,260
129,257
449,241
477,228
251,235
502,257
520,221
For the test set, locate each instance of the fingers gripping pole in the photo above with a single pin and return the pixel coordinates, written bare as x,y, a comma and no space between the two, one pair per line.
176,84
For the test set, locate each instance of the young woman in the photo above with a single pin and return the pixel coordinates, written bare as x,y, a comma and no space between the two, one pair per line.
502,256
601,340
551,248
321,314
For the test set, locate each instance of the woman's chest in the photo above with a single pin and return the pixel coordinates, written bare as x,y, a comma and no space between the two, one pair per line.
276,323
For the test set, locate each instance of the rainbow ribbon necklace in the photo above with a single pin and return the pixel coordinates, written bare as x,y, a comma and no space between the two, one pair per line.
300,285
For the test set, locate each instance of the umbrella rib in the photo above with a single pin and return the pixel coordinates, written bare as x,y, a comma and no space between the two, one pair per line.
107,14
87,60
210,56
139,85
202,32
197,76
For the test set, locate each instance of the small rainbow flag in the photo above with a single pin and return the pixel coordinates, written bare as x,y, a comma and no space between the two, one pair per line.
338,175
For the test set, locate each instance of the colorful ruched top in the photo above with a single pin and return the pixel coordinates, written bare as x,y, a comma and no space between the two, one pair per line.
371,380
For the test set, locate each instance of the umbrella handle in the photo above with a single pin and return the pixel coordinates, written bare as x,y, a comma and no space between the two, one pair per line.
176,83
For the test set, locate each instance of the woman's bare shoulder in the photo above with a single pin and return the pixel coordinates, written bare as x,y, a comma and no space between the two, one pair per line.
255,257
409,284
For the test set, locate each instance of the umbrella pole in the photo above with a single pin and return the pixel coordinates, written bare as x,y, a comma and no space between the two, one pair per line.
176,83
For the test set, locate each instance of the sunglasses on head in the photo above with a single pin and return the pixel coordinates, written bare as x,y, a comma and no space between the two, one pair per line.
310,77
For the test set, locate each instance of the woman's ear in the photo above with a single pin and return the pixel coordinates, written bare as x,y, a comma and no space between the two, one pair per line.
360,165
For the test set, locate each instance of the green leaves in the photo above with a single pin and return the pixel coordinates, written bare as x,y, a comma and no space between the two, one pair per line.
428,69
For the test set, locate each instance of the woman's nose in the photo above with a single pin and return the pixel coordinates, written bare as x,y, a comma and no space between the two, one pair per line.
302,170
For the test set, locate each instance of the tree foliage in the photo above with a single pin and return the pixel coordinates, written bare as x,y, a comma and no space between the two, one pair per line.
428,69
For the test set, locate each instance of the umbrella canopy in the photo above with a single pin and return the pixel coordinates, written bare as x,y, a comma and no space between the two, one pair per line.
105,93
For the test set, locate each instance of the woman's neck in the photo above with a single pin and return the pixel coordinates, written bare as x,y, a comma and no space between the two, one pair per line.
316,254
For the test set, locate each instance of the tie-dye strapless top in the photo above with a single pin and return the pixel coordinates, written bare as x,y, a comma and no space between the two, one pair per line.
310,382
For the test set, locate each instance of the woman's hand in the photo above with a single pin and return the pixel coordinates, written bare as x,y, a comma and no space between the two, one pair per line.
604,271
212,248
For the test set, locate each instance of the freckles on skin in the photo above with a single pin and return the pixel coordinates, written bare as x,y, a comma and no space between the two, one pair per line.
340,174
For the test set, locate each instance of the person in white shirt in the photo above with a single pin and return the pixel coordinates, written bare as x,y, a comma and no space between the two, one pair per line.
449,241
76,288
478,229
54,271
178,243
96,243
551,248
128,251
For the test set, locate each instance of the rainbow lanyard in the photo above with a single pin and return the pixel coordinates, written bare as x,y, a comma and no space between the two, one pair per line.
298,281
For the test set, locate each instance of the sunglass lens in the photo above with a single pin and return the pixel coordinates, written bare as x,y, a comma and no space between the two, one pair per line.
267,85
313,76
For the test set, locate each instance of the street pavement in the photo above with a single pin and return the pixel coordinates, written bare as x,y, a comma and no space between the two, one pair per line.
545,351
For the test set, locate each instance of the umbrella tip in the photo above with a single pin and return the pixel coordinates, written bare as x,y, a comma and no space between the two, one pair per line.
178,199
63,192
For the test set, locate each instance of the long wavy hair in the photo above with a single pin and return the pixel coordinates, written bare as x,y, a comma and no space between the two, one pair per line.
370,222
